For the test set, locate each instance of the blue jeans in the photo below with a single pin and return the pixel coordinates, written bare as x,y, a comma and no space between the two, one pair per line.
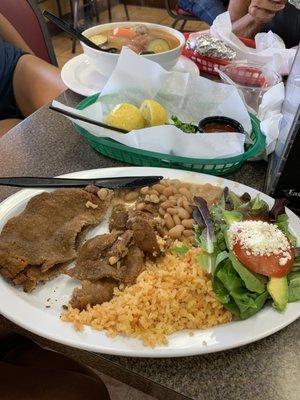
206,10
9,57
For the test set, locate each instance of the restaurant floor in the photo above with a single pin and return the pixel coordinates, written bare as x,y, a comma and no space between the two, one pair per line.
62,42
62,47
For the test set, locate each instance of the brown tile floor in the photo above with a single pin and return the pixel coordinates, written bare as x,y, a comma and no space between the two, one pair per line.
62,42
62,46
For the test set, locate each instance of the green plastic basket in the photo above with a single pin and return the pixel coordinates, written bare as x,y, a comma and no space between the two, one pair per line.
221,166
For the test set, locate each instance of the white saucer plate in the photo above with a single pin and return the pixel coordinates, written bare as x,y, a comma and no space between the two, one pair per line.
79,75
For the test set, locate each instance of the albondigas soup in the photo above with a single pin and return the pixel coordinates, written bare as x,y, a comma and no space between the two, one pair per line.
139,38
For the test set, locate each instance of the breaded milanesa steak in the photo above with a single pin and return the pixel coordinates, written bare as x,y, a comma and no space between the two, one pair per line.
45,234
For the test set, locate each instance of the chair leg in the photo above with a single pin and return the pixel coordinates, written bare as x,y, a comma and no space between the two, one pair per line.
59,8
109,10
126,9
96,10
75,5
183,24
174,23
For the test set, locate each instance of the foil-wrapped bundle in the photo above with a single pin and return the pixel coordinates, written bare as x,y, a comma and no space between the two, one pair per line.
295,3
210,47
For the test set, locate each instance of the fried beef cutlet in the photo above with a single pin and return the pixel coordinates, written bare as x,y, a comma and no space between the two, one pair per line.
133,265
33,274
96,248
144,234
115,257
45,234
118,218
120,247
92,293
93,271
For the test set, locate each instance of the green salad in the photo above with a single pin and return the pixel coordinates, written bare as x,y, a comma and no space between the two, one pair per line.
250,252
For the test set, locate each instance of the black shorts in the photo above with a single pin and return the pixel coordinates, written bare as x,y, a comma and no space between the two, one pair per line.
9,56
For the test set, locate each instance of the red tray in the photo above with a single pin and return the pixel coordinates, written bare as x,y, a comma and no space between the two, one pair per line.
208,64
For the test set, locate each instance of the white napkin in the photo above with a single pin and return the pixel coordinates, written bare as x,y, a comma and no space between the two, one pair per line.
270,115
270,49
191,98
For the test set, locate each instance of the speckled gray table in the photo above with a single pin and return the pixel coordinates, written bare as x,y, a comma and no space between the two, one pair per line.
46,144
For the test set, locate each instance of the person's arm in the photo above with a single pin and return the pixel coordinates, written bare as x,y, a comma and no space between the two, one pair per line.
238,8
11,35
246,26
249,16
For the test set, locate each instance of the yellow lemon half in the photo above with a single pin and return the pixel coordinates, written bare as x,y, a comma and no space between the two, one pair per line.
153,113
125,116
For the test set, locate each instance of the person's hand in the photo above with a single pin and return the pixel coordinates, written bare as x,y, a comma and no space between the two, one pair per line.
265,10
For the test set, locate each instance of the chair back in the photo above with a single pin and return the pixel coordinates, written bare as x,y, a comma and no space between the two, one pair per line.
27,19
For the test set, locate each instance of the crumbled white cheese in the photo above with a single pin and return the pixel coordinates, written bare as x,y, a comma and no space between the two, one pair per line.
260,238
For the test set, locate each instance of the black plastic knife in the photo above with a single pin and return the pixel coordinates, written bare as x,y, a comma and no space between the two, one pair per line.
109,183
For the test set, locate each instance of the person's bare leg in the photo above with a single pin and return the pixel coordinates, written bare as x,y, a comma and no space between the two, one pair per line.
7,124
35,83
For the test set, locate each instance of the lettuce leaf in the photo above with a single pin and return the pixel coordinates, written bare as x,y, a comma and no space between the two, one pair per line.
282,222
294,286
253,282
182,250
232,292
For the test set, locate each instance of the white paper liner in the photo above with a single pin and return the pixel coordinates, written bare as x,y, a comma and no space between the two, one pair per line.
191,98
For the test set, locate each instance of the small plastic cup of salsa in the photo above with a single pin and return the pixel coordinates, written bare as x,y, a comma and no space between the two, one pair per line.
216,124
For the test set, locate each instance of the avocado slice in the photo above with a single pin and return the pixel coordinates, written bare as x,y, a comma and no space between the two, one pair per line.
279,291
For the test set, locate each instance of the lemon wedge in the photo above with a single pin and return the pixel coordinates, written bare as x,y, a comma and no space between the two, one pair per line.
153,113
126,116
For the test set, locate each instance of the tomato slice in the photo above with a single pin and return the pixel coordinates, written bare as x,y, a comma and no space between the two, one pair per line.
264,265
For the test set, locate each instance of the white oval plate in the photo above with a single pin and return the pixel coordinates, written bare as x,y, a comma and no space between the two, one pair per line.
30,311
79,75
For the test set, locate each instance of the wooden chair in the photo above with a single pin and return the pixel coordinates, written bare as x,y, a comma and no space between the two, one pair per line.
27,19
178,14
58,5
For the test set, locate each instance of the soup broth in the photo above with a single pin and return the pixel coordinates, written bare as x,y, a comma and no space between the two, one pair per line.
139,38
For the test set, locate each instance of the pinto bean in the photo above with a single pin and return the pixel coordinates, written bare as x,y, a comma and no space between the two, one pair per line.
152,191
172,210
180,202
188,223
176,219
131,196
187,233
166,204
168,191
159,188
169,221
183,214
176,232
165,182
185,192
154,198
161,211
187,207
145,190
